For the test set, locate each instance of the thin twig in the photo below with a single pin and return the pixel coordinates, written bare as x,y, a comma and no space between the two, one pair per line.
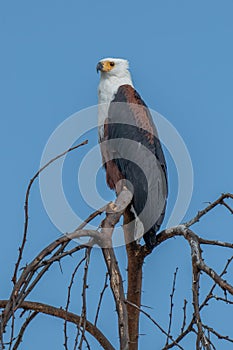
26,205
222,283
84,299
23,328
171,306
227,301
208,208
203,304
101,298
227,206
87,343
26,213
68,301
155,322
93,216
12,329
215,242
185,316
210,294
218,335
22,287
62,255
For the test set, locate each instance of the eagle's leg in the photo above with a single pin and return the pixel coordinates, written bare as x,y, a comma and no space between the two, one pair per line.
150,238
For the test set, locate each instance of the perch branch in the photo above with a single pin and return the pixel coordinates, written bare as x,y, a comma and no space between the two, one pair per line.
116,283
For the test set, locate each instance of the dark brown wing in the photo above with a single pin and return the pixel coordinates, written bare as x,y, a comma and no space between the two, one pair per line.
134,152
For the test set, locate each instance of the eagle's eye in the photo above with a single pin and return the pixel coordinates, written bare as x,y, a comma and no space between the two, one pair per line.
112,64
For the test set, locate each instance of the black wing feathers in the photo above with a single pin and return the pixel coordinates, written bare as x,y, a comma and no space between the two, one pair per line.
130,120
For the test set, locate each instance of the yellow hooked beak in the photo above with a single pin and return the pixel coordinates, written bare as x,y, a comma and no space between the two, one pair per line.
105,66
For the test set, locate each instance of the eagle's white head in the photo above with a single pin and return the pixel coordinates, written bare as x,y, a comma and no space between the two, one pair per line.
114,73
113,67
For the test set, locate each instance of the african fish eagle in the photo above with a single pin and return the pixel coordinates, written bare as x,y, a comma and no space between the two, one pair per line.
131,151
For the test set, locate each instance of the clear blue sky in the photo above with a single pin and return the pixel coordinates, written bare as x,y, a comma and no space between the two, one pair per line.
181,58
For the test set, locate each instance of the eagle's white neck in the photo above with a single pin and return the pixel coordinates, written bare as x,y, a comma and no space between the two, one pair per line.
108,86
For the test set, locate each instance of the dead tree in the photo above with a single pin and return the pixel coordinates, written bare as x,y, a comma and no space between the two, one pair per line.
127,302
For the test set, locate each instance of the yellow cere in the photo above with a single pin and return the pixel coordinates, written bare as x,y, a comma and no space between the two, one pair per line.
107,66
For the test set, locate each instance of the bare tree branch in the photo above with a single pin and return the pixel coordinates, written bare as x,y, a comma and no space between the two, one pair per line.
208,208
21,248
112,217
127,310
215,242
190,328
63,314
201,339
